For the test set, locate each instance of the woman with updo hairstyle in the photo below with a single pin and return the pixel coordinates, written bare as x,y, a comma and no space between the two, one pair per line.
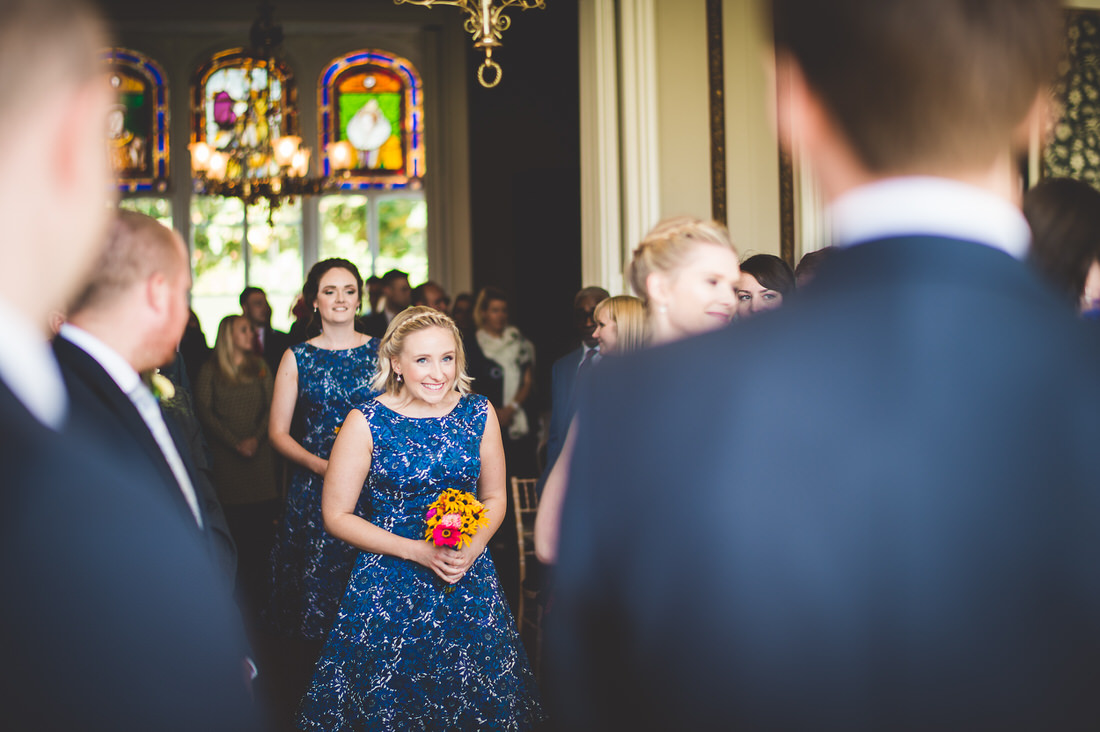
233,392
621,329
323,379
424,638
1064,215
765,280
685,269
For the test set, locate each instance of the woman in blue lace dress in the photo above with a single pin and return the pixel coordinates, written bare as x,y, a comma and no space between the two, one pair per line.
424,639
325,378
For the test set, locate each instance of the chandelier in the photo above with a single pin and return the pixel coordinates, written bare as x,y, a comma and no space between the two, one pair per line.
250,150
486,22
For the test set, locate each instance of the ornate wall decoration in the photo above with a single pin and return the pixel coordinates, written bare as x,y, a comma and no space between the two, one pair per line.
137,124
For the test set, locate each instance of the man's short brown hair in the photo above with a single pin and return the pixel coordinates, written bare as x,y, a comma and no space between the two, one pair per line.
137,247
923,85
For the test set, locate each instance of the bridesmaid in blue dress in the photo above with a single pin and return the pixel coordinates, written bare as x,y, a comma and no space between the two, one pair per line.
424,639
325,378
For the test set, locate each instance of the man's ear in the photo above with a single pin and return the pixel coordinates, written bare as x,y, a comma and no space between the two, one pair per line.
157,294
800,114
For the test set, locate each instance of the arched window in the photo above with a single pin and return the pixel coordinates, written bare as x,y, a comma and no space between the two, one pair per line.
371,126
233,245
371,102
138,121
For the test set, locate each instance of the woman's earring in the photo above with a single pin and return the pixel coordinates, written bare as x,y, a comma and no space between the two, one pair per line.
399,378
662,308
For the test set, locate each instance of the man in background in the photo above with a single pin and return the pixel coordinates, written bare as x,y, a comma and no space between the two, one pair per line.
877,507
430,294
269,343
566,371
396,295
113,615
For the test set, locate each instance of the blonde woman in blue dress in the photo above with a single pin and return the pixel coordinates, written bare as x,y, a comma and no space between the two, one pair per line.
424,638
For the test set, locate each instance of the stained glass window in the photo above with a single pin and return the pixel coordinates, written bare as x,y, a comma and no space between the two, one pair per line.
371,122
231,99
137,125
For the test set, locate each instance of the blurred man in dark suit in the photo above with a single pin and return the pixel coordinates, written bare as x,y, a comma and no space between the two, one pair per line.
113,614
270,343
396,295
877,508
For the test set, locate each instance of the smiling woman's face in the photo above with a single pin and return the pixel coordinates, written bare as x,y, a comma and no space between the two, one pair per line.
337,296
698,296
427,365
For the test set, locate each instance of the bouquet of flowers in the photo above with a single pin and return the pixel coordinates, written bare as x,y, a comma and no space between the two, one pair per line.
454,518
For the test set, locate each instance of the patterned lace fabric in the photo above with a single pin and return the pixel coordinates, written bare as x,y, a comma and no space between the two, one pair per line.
403,654
310,568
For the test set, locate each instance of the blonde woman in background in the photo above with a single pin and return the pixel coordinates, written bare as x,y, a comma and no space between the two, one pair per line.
621,328
232,401
686,271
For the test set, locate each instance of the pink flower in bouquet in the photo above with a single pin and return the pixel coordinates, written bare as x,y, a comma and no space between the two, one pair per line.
451,521
443,535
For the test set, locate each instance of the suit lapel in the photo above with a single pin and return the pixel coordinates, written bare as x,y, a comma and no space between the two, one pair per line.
94,392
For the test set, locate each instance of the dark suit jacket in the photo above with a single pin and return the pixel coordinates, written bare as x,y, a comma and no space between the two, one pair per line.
275,344
104,415
375,324
875,508
113,615
562,407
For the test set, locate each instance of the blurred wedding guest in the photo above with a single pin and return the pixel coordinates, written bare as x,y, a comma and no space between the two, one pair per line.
807,267
233,400
396,294
486,376
685,270
302,313
125,324
1064,215
765,280
567,369
462,312
424,638
113,615
324,377
268,343
621,328
878,509
193,346
502,343
431,295
374,292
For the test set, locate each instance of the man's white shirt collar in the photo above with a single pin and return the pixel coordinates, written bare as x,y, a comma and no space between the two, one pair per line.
121,372
29,369
928,206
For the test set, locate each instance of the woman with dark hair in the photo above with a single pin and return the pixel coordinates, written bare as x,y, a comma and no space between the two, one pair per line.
233,393
324,378
1064,215
765,280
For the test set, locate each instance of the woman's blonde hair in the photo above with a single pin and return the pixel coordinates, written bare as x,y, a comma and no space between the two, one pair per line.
225,349
413,320
631,324
666,247
484,298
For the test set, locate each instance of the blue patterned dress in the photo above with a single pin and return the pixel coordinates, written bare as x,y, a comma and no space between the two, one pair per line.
403,654
311,567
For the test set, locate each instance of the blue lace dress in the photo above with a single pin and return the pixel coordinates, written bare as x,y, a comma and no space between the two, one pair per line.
403,654
310,567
